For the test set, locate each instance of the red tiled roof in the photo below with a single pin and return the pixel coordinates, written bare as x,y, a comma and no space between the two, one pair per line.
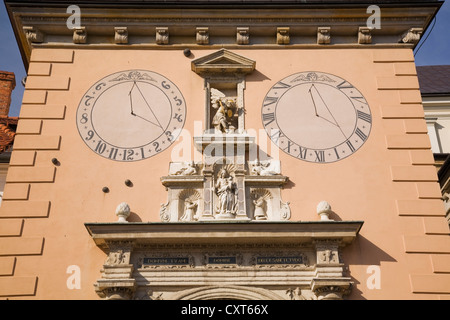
8,127
434,79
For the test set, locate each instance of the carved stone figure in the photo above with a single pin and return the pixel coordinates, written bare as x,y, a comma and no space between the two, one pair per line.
269,168
187,170
189,211
225,109
259,213
226,190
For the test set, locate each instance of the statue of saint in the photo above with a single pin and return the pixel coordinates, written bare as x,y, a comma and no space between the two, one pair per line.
189,211
226,190
259,213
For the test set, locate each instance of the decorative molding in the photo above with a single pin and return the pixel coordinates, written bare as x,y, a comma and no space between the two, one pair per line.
121,35
80,35
323,35
162,35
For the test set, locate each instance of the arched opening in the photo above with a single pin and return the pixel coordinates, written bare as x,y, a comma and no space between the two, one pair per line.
226,293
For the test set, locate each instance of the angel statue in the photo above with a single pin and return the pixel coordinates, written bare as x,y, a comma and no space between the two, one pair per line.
225,109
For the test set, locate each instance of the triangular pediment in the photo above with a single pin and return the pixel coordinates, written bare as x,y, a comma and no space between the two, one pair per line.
223,61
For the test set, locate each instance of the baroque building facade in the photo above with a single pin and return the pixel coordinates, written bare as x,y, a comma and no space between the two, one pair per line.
197,150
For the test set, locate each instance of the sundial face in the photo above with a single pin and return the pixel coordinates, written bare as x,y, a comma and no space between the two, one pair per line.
316,117
131,115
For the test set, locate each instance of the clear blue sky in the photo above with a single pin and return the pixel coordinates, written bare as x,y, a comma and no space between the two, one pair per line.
435,50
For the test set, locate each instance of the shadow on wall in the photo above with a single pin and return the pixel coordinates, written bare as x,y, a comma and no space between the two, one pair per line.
364,252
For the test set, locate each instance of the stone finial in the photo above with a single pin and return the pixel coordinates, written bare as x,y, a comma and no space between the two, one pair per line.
323,210
123,212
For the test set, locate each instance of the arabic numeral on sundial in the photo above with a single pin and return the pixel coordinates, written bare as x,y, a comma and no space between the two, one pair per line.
90,135
128,155
84,118
156,145
100,85
101,147
86,102
165,85
178,101
113,153
178,117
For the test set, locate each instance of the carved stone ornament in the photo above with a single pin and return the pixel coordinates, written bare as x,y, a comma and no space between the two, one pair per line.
364,35
323,35
33,34
121,35
202,35
79,35
123,212
162,35
324,210
297,260
283,36
412,36
243,35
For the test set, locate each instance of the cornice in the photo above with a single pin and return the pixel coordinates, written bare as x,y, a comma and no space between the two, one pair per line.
210,27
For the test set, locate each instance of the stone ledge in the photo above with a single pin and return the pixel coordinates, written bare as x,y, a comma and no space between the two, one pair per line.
225,232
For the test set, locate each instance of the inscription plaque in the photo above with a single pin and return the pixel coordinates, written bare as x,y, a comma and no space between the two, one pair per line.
221,260
162,261
279,260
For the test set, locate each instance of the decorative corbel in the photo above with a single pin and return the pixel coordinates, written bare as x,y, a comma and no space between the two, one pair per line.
364,35
202,35
331,288
33,34
412,36
323,35
79,35
162,35
283,35
243,35
121,35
